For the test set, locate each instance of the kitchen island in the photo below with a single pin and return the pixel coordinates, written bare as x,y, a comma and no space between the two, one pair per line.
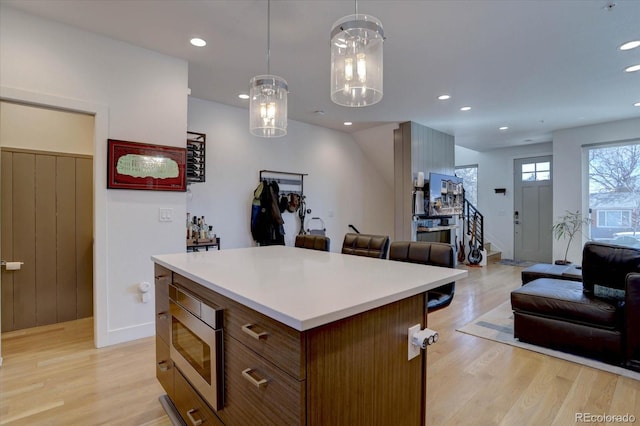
310,337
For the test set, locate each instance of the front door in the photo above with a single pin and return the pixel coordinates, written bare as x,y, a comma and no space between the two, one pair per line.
533,209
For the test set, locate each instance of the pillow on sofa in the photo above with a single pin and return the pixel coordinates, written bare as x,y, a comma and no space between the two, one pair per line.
608,293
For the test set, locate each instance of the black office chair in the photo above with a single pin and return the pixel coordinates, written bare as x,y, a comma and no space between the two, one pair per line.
314,242
366,245
428,253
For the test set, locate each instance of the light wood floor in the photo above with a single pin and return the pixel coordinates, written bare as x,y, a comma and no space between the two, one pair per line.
54,376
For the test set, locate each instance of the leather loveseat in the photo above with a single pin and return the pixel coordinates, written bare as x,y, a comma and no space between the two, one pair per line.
428,253
598,317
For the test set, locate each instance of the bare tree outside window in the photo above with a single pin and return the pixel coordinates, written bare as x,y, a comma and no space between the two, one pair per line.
614,193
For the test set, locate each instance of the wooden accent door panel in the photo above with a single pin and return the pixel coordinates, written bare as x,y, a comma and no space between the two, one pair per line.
47,223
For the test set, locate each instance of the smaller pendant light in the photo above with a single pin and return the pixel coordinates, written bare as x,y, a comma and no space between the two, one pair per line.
268,98
356,60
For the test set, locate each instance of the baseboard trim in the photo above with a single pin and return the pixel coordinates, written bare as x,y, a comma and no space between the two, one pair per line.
127,334
171,411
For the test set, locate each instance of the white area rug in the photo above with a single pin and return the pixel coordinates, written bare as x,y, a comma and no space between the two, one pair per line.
497,325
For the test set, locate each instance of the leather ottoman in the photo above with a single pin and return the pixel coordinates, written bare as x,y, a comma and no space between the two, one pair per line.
548,270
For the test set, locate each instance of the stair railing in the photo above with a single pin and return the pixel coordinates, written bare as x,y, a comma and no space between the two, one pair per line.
473,216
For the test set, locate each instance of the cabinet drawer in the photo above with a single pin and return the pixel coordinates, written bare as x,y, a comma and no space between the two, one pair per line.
192,408
275,341
259,393
164,366
163,277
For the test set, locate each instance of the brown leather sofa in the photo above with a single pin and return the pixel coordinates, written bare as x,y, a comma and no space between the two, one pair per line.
598,317
428,253
366,245
314,242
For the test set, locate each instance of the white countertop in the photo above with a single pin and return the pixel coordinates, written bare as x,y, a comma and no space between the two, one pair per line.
305,288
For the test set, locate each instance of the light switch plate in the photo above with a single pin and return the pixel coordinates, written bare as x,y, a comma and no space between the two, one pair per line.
165,215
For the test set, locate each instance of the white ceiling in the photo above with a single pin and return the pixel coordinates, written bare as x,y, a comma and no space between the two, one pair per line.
535,66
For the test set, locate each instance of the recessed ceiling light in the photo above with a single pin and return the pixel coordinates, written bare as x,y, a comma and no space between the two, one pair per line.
243,96
348,123
632,68
465,108
630,45
637,104
198,42
503,128
444,97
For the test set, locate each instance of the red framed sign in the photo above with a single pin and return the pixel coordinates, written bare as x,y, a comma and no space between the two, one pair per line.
133,165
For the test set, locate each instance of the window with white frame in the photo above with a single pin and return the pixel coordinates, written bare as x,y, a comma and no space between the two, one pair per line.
614,192
614,218
536,171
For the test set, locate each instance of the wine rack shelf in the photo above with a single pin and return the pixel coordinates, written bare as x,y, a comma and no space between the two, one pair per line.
196,157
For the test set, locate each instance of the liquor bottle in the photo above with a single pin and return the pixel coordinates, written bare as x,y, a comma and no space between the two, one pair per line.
195,230
203,229
188,225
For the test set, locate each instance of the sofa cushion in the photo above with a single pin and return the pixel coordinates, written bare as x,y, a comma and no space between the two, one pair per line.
565,300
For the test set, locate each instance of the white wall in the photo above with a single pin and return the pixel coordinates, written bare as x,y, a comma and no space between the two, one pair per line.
136,95
342,186
495,170
570,186
377,145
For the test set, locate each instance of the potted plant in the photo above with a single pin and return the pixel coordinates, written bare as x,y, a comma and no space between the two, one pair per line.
568,226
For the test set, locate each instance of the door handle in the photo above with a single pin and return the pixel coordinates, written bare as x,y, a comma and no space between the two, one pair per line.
11,266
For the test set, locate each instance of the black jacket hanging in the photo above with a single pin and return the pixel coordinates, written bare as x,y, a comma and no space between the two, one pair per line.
266,221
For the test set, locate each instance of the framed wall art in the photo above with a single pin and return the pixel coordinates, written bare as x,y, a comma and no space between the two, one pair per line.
133,165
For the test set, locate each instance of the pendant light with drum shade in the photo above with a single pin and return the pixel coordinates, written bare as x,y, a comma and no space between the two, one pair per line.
356,60
268,98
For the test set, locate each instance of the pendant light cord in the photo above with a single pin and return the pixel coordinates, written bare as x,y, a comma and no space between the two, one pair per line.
269,37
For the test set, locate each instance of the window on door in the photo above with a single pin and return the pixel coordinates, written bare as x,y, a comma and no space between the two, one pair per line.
614,193
469,175
536,171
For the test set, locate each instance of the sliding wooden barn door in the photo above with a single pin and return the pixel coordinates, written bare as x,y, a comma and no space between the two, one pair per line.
47,216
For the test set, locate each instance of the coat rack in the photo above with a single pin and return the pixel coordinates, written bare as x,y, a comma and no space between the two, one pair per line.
287,181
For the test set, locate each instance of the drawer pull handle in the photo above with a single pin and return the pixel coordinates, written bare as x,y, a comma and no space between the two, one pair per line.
163,315
193,420
159,277
257,383
247,329
163,366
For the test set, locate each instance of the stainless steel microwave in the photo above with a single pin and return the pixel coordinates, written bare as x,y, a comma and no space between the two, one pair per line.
196,344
